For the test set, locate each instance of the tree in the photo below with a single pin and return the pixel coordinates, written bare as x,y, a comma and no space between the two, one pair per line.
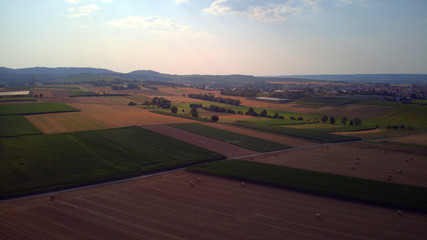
131,104
263,113
147,103
163,103
215,118
276,115
324,118
194,112
351,122
251,112
357,121
154,101
174,109
344,120
332,120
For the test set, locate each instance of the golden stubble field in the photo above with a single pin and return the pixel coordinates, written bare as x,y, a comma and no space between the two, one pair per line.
355,160
168,207
99,116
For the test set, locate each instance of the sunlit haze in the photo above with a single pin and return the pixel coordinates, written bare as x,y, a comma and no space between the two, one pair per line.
257,37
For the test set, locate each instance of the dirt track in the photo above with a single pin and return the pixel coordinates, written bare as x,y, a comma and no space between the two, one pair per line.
227,149
342,159
168,207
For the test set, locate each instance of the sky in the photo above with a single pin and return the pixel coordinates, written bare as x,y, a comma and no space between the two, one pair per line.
253,37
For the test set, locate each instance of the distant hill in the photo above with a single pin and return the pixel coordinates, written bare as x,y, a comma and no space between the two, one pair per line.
373,78
11,76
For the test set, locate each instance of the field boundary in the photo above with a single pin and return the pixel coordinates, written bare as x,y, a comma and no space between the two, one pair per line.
385,194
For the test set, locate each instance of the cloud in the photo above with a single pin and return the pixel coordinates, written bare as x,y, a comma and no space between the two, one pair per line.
265,11
73,1
79,1
82,10
181,1
162,27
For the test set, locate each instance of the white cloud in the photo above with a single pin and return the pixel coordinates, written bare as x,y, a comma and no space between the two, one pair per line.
181,1
265,11
79,1
153,23
82,10
217,8
162,27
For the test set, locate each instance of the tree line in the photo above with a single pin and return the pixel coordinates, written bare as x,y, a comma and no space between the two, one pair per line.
210,97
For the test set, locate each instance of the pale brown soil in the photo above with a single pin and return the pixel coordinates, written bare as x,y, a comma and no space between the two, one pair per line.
416,139
342,160
227,149
168,207
270,137
359,132
99,116
353,110
15,102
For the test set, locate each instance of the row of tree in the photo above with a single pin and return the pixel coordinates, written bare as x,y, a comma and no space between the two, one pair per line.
344,120
241,92
211,97
160,102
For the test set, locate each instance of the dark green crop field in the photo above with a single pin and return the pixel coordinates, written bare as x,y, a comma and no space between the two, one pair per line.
40,163
16,125
252,143
310,134
35,108
342,187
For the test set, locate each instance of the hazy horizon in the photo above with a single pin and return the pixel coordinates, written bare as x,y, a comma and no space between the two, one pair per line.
218,37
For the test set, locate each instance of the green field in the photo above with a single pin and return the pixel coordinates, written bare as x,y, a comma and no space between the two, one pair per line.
323,184
15,99
328,101
252,143
16,125
319,135
35,108
408,114
39,163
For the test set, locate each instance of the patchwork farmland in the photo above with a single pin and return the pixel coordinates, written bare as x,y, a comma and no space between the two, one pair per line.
66,139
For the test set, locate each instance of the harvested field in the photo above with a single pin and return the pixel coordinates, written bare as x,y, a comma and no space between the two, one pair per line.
270,137
353,110
168,207
46,93
227,149
179,91
97,116
414,139
352,160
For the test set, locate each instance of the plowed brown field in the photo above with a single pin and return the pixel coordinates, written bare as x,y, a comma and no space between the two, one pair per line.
168,207
349,160
415,139
227,149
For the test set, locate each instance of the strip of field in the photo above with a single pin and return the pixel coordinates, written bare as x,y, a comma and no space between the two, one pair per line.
324,184
168,207
289,141
409,114
374,161
420,139
252,143
35,108
38,163
227,149
17,99
310,134
16,125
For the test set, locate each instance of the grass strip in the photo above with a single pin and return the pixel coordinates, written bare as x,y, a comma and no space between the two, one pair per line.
168,113
40,163
16,125
252,143
328,185
35,108
318,135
